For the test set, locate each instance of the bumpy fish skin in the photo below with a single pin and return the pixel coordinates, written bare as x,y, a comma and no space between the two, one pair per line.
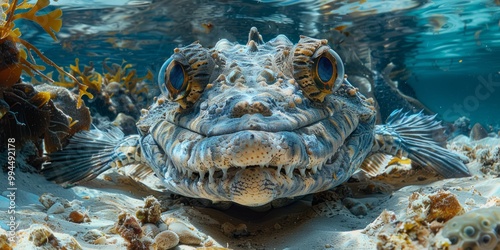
259,122
477,229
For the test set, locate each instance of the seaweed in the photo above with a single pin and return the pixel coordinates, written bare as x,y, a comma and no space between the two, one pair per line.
14,59
126,76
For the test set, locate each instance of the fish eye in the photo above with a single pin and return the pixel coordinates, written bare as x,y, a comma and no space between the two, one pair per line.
172,78
328,70
317,69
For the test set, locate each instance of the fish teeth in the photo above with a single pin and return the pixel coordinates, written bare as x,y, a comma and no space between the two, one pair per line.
202,176
224,173
289,171
314,169
278,168
302,172
211,172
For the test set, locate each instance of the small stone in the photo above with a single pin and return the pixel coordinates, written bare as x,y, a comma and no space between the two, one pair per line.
277,226
355,207
228,228
48,199
100,241
241,230
93,235
166,240
78,217
478,132
57,208
186,235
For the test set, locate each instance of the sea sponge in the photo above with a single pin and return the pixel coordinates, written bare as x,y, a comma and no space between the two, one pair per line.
477,229
441,205
40,235
128,227
151,212
4,242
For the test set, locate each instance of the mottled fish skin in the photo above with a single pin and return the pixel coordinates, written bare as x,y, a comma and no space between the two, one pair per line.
255,123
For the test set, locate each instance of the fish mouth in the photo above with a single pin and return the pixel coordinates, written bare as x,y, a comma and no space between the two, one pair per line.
255,167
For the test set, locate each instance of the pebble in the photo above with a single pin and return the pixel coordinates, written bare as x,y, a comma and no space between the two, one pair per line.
355,207
48,199
78,217
56,208
92,235
166,240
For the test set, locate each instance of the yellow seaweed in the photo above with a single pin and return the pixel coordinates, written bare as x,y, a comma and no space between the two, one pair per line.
127,78
50,22
40,99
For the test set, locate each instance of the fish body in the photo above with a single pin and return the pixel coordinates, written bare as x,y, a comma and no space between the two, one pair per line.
255,124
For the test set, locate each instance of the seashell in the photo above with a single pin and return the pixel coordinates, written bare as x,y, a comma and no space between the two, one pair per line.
186,234
166,240
57,208
150,229
478,132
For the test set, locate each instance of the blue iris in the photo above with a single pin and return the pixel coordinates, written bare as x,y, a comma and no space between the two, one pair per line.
325,69
176,76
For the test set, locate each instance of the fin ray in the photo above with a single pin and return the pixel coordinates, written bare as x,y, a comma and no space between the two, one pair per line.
419,137
88,154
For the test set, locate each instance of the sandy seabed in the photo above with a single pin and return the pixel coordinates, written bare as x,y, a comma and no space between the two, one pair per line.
329,223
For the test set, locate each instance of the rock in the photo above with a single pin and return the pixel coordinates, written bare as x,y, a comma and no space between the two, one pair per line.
57,208
78,216
236,231
92,235
48,199
126,123
478,132
166,240
355,207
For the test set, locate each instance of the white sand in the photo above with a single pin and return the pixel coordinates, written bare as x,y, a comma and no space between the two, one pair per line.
298,226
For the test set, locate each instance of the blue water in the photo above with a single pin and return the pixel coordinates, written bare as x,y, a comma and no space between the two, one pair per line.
448,50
